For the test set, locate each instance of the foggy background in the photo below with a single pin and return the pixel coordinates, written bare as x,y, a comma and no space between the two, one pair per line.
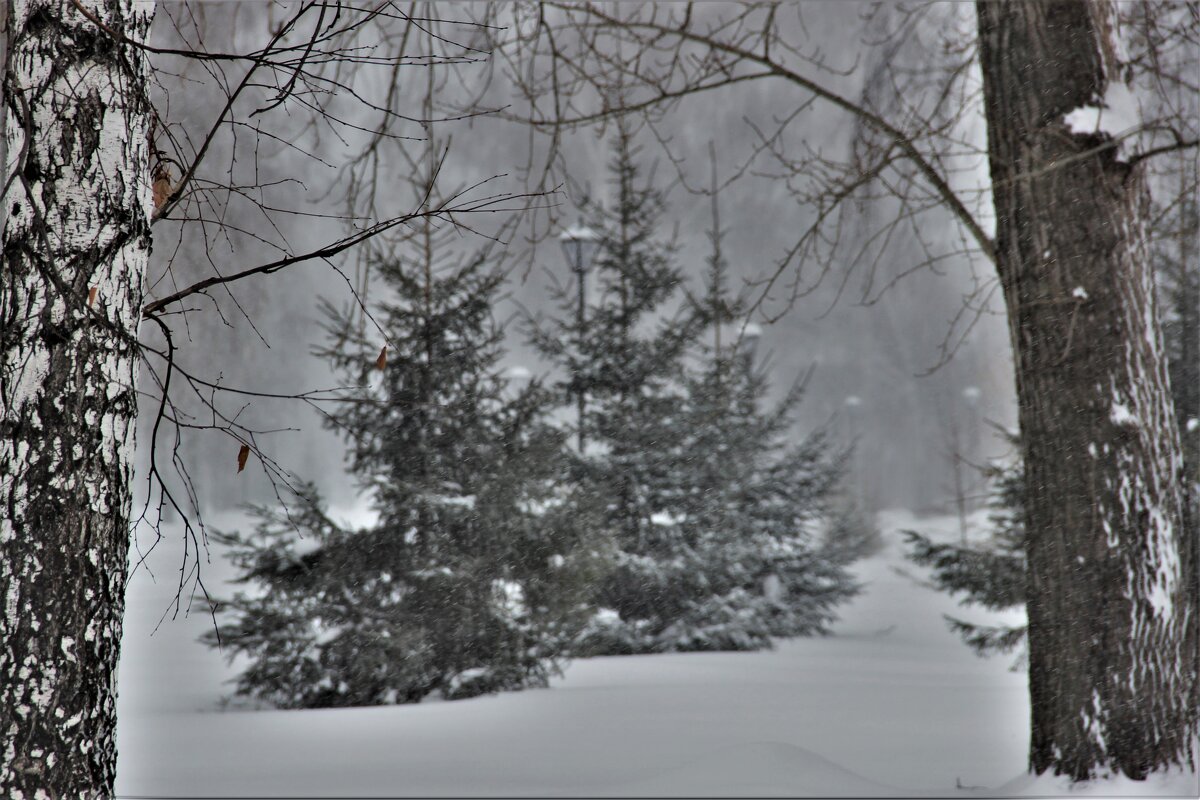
870,381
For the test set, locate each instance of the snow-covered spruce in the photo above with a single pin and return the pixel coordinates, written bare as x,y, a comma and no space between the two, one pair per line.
472,579
715,518
989,573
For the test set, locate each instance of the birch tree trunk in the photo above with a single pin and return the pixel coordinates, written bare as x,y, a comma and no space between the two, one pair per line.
75,246
1112,624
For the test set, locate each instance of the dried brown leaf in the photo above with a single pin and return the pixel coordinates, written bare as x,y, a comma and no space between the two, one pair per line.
162,187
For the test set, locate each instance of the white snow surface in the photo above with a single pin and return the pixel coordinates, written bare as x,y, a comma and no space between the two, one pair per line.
891,704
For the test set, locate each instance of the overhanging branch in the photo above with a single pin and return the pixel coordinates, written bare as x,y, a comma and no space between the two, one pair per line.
772,67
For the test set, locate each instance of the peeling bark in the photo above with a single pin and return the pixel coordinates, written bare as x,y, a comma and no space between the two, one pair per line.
1112,634
78,212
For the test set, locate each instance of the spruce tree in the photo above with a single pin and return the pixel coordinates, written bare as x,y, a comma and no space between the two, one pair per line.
626,358
473,579
990,573
716,518
757,508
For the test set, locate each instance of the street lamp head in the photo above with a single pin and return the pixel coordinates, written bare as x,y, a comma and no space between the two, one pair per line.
518,373
750,335
579,244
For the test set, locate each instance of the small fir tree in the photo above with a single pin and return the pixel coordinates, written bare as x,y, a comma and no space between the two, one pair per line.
991,573
755,506
626,358
473,579
714,515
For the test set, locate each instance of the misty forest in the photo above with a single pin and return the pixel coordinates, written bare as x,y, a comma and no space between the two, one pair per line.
570,399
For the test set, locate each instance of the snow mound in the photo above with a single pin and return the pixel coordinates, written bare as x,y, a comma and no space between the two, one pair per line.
757,769
891,694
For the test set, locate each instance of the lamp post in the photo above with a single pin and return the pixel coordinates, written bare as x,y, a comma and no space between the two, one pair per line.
966,452
963,452
579,244
853,403
971,395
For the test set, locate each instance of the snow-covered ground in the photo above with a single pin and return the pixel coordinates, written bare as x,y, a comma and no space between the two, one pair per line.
891,704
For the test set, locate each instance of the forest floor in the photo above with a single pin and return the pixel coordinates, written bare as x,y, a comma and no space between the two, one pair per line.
890,704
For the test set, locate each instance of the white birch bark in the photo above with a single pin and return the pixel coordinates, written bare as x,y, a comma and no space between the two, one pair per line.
4,172
76,241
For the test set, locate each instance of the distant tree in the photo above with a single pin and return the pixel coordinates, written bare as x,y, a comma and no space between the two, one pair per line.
759,511
473,578
990,573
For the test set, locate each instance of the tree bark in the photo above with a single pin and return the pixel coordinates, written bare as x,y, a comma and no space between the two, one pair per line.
76,243
1112,634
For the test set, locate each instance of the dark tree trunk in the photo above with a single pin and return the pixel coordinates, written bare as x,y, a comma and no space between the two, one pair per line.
1111,618
75,247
